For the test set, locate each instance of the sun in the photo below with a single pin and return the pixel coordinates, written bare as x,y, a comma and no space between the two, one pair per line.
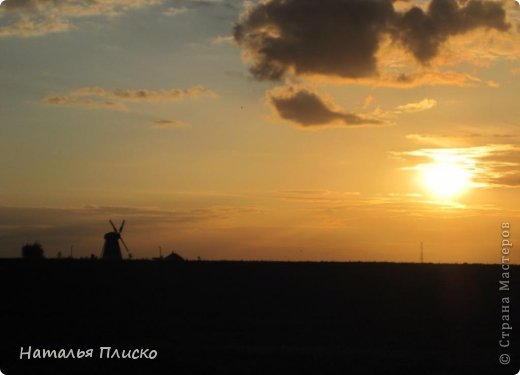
445,179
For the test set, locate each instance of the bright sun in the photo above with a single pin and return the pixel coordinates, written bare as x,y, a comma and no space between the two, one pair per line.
446,179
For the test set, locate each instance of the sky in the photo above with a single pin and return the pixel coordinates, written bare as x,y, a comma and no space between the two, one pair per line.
338,130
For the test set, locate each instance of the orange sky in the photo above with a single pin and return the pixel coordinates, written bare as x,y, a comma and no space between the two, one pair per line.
344,130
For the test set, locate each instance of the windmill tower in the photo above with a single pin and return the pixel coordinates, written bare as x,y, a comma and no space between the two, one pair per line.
111,249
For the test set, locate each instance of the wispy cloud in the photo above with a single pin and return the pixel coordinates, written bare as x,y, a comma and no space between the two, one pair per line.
314,196
423,105
462,138
82,102
222,40
174,11
101,98
28,26
31,18
493,165
166,124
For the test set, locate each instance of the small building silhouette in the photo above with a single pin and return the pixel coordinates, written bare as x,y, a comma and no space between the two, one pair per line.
174,257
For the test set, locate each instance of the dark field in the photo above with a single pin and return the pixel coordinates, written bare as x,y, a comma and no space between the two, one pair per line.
257,317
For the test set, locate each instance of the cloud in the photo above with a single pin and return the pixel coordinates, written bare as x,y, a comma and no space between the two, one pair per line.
283,35
165,124
368,100
173,11
511,180
462,138
31,18
28,26
309,109
493,84
341,38
315,196
101,98
52,216
491,165
442,140
423,105
86,103
58,228
77,8
424,32
145,94
213,3
222,40
422,76
414,107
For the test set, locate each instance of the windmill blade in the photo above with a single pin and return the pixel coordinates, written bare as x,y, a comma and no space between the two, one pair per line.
124,244
121,227
113,226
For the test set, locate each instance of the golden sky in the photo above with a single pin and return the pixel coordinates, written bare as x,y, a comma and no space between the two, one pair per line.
287,130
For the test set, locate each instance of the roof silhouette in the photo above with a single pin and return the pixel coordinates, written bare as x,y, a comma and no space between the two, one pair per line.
174,257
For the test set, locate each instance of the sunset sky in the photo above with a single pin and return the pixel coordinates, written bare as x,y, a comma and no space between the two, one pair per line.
285,130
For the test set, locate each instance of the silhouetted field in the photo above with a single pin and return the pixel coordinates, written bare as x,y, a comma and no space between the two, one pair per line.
257,317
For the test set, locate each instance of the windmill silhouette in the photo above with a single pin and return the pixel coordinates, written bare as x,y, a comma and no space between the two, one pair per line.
111,249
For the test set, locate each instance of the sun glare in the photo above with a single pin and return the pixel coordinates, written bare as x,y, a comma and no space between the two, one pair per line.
445,180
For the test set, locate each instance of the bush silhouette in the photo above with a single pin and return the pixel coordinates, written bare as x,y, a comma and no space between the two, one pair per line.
32,251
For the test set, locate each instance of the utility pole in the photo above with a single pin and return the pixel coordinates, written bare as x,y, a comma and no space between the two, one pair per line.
422,253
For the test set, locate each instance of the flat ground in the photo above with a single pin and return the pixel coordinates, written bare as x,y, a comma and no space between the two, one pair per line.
257,317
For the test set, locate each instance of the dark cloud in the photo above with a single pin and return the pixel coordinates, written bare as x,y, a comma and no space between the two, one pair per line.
423,32
309,109
341,37
325,37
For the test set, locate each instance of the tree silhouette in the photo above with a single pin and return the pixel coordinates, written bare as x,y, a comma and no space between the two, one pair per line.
32,251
